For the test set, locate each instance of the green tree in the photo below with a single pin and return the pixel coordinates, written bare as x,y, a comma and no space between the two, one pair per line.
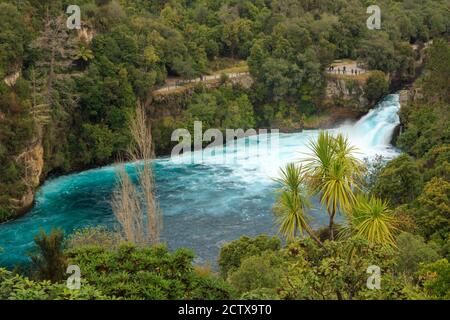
83,56
236,36
293,204
232,253
50,262
337,271
399,181
412,250
149,272
258,272
376,86
17,287
436,81
13,39
333,171
435,278
372,220
433,213
379,52
239,114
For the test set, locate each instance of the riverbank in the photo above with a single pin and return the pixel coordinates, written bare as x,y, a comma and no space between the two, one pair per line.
204,205
331,118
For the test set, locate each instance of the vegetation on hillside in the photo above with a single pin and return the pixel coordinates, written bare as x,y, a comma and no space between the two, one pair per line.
76,90
75,93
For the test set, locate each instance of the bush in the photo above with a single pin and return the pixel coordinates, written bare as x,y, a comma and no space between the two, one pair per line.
49,263
399,181
93,236
231,254
436,163
260,294
377,86
433,213
132,272
17,287
258,272
412,250
435,278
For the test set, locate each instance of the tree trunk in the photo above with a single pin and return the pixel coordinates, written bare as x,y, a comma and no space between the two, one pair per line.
314,237
330,227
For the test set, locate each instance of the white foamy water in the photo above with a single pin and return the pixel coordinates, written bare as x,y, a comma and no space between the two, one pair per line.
204,204
261,156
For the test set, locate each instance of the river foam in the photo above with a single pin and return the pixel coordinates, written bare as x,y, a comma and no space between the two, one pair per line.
204,204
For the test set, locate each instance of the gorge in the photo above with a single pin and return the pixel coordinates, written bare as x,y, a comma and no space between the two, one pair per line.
204,205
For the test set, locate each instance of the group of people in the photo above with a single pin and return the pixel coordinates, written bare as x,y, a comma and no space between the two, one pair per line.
344,70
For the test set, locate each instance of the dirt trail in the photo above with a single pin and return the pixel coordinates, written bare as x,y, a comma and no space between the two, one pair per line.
175,83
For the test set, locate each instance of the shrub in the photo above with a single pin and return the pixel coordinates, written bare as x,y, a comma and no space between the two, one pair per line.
231,254
377,86
17,287
433,214
399,181
49,263
412,250
93,236
257,272
435,278
133,272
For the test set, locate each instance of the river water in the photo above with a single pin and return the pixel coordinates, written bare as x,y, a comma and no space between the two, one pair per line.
204,204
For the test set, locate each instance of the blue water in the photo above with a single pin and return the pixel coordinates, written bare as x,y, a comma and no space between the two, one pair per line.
204,204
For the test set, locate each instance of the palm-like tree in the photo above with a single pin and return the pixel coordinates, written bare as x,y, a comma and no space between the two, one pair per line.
346,152
83,56
372,220
293,203
333,172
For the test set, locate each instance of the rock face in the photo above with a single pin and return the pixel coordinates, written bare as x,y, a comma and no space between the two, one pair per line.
245,80
409,95
33,161
348,92
11,79
404,97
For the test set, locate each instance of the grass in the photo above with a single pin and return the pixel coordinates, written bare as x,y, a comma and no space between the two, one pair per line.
240,67
220,64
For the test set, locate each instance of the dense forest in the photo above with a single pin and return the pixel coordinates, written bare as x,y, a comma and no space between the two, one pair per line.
71,94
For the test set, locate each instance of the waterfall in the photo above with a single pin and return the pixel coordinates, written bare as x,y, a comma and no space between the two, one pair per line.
204,205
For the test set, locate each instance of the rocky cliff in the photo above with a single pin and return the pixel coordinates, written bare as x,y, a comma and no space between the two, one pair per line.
32,159
343,91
